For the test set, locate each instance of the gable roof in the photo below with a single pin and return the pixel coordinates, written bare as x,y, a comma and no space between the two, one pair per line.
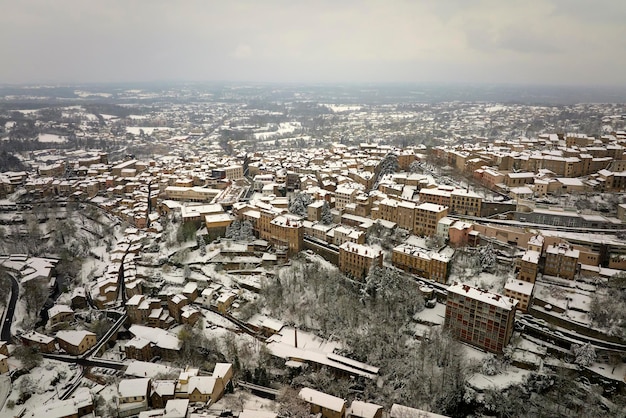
322,399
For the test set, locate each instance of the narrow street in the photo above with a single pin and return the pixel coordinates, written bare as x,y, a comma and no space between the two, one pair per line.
5,335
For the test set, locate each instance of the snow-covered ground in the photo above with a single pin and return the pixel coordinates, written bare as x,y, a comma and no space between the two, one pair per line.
52,138
41,383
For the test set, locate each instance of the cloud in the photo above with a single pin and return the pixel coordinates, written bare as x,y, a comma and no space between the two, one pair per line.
243,51
364,40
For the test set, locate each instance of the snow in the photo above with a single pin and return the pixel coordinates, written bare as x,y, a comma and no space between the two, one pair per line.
508,378
483,296
146,369
606,370
52,138
436,315
322,399
43,392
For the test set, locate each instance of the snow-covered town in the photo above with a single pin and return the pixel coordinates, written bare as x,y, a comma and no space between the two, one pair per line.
220,255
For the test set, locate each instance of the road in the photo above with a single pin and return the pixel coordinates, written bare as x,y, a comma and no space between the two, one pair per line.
5,335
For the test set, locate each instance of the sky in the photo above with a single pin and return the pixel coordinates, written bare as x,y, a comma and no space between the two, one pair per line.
558,42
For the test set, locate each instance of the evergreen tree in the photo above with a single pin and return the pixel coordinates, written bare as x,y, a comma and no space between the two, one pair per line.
327,216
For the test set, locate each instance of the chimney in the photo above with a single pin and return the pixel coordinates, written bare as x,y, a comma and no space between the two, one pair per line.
295,337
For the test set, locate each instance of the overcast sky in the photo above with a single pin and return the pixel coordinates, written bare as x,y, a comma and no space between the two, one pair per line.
578,42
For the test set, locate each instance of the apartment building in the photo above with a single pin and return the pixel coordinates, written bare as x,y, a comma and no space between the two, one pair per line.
528,266
464,202
343,196
561,261
479,317
286,231
232,172
356,260
191,194
428,264
427,217
520,290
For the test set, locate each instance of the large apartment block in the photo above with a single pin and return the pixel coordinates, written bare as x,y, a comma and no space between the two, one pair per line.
356,260
479,317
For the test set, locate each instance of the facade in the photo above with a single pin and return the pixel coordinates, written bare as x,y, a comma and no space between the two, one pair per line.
327,406
286,231
464,202
561,261
413,259
529,266
479,317
76,342
44,343
191,194
427,217
356,260
520,290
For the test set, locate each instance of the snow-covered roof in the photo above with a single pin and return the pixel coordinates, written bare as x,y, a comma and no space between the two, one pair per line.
147,369
59,309
485,296
364,409
362,250
130,388
249,413
401,411
222,369
322,399
519,286
138,343
531,256
564,249
431,207
158,336
163,387
73,337
37,337
204,384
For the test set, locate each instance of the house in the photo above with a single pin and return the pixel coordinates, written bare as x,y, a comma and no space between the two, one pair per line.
161,391
139,349
322,403
79,298
223,371
44,343
60,313
520,290
225,300
205,389
133,396
176,408
189,315
360,409
76,342
175,304
191,291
